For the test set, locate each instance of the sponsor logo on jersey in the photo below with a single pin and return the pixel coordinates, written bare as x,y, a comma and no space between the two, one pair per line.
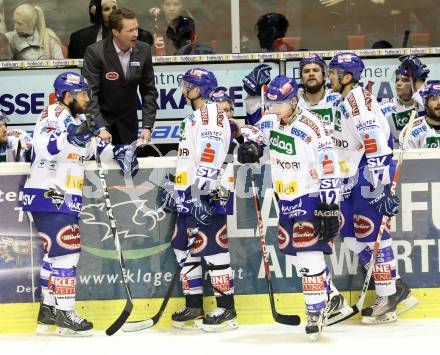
182,135
64,285
354,106
338,127
181,178
432,142
53,164
204,114
307,121
313,283
363,226
418,130
112,75
282,143
368,100
286,188
328,166
200,243
344,166
58,110
304,235
207,172
75,157
301,134
293,210
382,272
68,237
401,119
326,115
340,143
56,197
221,283
221,237
209,153
288,165
47,242
370,143
212,135
366,125
283,238
183,152
74,182
266,124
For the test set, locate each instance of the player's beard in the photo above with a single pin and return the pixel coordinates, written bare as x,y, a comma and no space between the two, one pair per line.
75,108
313,89
433,114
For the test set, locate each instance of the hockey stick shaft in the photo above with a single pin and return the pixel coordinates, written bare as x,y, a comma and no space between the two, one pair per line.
280,318
117,324
358,306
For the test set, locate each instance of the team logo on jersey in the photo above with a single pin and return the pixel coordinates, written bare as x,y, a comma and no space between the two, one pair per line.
200,243
69,238
282,143
283,238
433,142
221,237
112,76
304,235
56,197
363,226
47,242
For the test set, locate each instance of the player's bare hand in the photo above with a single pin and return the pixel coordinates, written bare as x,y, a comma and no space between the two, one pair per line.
145,137
105,135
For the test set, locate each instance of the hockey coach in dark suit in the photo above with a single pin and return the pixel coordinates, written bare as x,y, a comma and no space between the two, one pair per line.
115,67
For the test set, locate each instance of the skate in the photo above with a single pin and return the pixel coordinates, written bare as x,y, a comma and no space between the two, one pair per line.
336,305
46,320
404,300
71,324
188,318
220,319
314,324
382,311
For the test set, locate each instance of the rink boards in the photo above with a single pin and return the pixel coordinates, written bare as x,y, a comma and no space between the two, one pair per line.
145,236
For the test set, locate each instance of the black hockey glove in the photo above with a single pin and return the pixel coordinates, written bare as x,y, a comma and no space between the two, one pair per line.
418,69
79,135
167,195
254,81
326,221
249,152
386,203
126,158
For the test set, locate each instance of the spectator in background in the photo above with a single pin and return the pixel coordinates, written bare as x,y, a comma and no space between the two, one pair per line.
115,68
81,39
5,50
2,18
31,39
183,35
270,27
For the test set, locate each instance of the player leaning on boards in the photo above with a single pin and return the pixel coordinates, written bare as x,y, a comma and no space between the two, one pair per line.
367,168
305,178
425,132
53,195
410,79
15,144
205,139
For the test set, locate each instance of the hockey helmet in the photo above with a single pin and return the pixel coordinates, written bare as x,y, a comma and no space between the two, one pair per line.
348,63
220,95
201,78
281,88
269,27
69,82
313,59
412,67
431,90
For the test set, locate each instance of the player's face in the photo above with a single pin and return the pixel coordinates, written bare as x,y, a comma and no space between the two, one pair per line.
312,77
433,108
226,107
172,9
333,77
403,87
283,109
3,133
126,39
80,103
190,92
107,9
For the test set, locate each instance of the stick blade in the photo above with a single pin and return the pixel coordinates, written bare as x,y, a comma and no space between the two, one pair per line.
119,322
341,317
138,325
287,319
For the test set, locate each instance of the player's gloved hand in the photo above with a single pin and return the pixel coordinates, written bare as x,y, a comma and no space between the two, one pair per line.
412,62
249,152
386,203
326,221
201,209
126,157
167,195
79,135
254,81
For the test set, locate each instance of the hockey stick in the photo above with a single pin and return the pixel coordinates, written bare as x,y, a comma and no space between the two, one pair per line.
279,318
358,306
148,323
117,324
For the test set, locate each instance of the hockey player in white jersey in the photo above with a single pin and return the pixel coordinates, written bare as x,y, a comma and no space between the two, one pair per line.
425,131
305,176
204,143
367,166
314,96
397,111
15,144
53,195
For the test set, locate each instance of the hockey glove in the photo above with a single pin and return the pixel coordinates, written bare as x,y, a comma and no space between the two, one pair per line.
167,196
326,221
126,158
249,152
79,135
386,203
201,209
254,81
